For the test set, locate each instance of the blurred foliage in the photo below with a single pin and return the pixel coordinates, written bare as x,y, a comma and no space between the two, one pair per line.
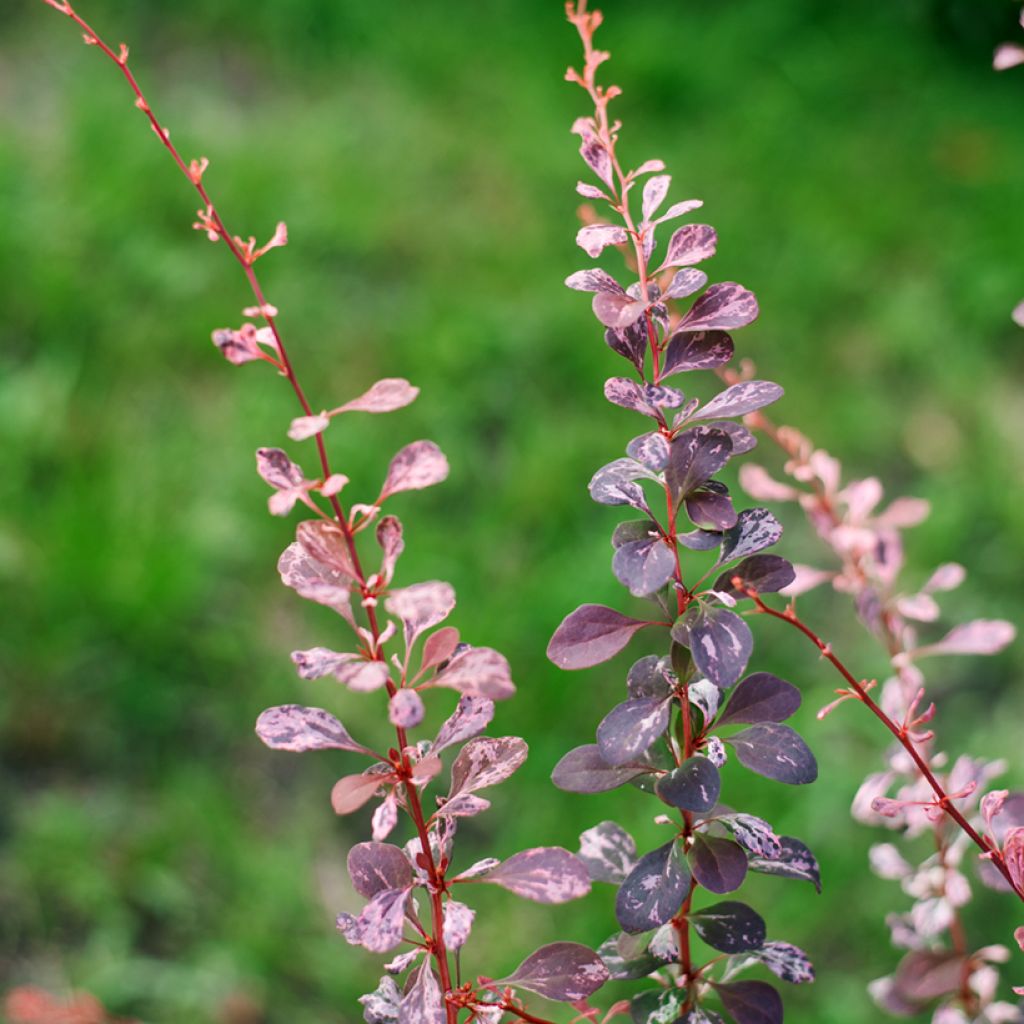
865,170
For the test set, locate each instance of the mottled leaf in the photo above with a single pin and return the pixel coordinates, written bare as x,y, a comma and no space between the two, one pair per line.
655,190
690,244
654,890
547,874
389,537
458,921
315,581
608,852
693,786
775,751
379,927
755,530
423,1002
685,282
486,761
594,280
478,672
761,697
740,399
274,466
626,966
696,350
325,543
630,728
381,1005
695,456
786,961
614,484
723,306
471,716
753,833
421,606
719,641
297,728
720,865
794,860
418,465
629,342
374,867
646,399
730,926
595,238
650,450
563,971
405,709
590,635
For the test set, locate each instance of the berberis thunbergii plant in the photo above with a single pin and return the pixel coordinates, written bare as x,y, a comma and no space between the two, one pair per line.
693,555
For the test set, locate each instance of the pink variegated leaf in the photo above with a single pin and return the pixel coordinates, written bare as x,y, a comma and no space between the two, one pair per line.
465,805
471,716
723,307
363,676
479,672
740,399
590,635
373,867
690,244
385,817
685,282
399,965
353,791
274,466
325,542
547,874
418,465
618,311
594,280
608,852
304,427
385,396
421,606
948,576
313,580
590,191
318,662
297,728
405,709
381,1005
238,347
563,971
680,209
389,537
594,238
423,1002
379,927
478,869
439,647
982,636
458,921
655,190
486,761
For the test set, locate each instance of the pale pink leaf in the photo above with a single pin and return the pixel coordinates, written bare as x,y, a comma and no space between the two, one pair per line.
1007,55
594,238
405,709
761,486
418,465
304,427
982,636
353,791
478,671
315,581
458,920
469,719
386,395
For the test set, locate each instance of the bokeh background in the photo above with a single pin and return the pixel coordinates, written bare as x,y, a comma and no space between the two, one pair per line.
865,170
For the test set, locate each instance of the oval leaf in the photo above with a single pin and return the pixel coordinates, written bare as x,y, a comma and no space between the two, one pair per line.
730,926
563,971
693,786
297,728
720,865
761,697
653,891
583,770
590,635
547,874
776,752
630,729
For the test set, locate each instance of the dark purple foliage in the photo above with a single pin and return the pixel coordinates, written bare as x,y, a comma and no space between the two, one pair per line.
764,574
377,866
590,635
654,890
563,971
730,926
760,697
718,864
583,770
751,1002
629,729
775,751
693,786
695,456
794,860
697,350
722,307
719,640
755,529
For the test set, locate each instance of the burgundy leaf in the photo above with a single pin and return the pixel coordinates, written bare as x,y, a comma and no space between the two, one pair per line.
794,860
644,566
655,190
654,890
563,971
685,282
418,465
730,926
590,635
710,508
486,761
423,1002
649,677
374,867
695,456
630,728
405,709
594,238
547,874
608,852
296,728
764,574
693,786
629,342
583,770
471,716
740,399
594,280
751,1002
720,865
723,306
761,697
755,529
478,672
719,641
690,244
775,751
385,396
699,350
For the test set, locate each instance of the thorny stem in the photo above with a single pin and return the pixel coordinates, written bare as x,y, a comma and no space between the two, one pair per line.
942,798
212,221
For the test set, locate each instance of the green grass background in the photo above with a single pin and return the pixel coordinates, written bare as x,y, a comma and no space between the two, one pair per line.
865,170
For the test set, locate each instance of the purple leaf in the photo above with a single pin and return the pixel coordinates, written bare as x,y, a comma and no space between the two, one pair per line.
385,396
723,306
379,927
629,342
296,728
418,465
740,399
700,540
786,961
595,238
315,581
982,636
617,311
465,805
650,450
695,456
685,282
649,677
478,672
405,709
421,606
471,716
699,350
655,190
374,867
755,530
751,1002
594,280
764,574
690,244
710,508
563,971
644,566
458,921
626,964
719,641
654,890
743,440
776,752
486,761
353,791
794,860
753,834
593,152
422,1002
761,697
614,484
647,399
547,874
630,729
730,926
583,770
590,635
274,466
720,865
693,786
608,852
